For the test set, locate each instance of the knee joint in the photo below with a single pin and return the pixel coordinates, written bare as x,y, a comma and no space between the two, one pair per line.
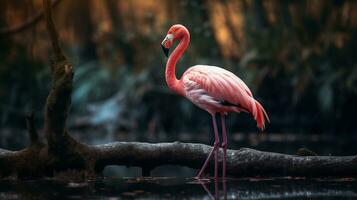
224,145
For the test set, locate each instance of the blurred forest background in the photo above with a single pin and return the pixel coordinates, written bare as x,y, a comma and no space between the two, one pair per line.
298,57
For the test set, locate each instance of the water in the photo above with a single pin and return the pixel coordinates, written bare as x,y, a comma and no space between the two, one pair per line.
182,188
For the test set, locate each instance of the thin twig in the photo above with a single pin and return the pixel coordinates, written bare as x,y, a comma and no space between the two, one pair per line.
32,21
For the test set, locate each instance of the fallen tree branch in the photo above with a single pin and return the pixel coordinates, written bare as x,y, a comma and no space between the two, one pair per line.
240,163
27,24
243,162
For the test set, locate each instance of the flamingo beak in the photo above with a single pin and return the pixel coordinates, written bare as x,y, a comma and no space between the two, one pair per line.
166,43
166,50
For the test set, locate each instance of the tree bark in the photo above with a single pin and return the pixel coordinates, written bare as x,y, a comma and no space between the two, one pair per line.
240,163
63,153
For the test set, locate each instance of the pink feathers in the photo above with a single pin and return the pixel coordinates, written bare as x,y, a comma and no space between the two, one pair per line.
260,115
217,90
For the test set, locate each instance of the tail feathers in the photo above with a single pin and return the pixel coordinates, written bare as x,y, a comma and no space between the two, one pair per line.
259,115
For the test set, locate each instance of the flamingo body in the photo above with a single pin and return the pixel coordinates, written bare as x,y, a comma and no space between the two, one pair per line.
211,88
217,90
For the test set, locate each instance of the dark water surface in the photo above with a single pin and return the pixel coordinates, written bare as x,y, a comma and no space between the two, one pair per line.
182,188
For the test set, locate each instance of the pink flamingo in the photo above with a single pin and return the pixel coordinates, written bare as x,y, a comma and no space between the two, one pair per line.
211,88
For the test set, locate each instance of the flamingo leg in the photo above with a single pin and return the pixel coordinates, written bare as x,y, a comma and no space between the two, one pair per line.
224,146
214,150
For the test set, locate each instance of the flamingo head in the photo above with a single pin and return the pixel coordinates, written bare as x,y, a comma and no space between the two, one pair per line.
175,32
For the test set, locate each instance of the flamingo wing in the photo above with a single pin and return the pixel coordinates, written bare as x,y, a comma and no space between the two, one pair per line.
217,90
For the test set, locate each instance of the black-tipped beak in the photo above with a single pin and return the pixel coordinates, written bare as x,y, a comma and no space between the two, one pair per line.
168,38
166,50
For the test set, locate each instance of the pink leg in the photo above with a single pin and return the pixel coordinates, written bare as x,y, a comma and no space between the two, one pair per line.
214,150
224,146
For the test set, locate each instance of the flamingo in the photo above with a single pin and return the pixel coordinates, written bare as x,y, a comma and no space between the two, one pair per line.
212,89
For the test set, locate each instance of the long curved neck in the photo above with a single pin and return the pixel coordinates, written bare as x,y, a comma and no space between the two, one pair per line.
170,74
